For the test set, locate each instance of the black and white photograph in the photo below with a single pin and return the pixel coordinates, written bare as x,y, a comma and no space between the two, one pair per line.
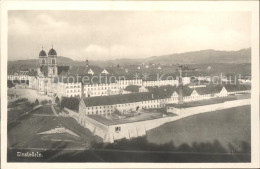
130,85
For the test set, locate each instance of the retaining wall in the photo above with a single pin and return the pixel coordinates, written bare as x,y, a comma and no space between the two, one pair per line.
72,113
135,129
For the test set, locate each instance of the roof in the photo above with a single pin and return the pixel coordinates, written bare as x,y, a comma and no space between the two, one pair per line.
95,69
32,73
132,88
52,52
63,69
125,98
202,102
83,70
233,88
86,80
42,53
23,73
209,89
186,91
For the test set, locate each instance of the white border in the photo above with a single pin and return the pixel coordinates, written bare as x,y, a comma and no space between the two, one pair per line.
252,6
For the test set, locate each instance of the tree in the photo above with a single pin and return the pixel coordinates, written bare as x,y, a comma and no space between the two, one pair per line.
43,102
37,102
57,100
70,103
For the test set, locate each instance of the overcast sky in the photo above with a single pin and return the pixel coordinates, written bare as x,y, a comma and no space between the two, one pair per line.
102,35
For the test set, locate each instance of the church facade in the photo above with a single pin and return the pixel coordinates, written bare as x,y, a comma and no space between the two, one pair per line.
47,71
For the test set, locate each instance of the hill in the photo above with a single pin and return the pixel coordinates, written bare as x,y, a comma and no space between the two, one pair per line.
205,56
195,57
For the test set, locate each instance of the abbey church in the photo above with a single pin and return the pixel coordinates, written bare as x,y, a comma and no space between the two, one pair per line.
47,71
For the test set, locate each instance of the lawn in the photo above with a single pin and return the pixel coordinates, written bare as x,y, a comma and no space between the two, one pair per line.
17,108
25,135
227,126
44,110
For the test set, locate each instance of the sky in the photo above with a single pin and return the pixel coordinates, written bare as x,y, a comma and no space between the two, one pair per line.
105,35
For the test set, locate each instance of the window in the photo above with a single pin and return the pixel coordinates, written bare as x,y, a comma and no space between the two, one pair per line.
117,129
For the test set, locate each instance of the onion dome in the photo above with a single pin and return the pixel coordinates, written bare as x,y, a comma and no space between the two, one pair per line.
42,53
52,52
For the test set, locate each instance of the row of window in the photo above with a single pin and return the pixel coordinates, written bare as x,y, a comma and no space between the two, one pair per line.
111,111
71,91
100,88
102,93
130,104
73,95
73,86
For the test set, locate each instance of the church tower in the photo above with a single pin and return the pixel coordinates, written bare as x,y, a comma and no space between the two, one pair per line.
52,63
43,58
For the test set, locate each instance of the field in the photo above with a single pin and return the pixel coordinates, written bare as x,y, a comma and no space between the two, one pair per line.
227,126
18,108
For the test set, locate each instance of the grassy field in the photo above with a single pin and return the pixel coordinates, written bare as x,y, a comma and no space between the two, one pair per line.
227,126
17,108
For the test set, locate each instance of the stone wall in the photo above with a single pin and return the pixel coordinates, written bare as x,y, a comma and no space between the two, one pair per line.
207,108
136,129
72,113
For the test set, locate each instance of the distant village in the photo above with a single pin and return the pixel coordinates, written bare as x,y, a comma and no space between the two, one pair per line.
113,109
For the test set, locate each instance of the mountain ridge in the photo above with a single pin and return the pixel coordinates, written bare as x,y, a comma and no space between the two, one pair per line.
192,57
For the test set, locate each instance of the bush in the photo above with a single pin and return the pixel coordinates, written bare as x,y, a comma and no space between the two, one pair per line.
37,102
57,100
43,102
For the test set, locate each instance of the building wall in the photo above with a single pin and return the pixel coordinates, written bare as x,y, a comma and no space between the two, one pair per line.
242,91
160,83
206,108
136,129
128,107
149,104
